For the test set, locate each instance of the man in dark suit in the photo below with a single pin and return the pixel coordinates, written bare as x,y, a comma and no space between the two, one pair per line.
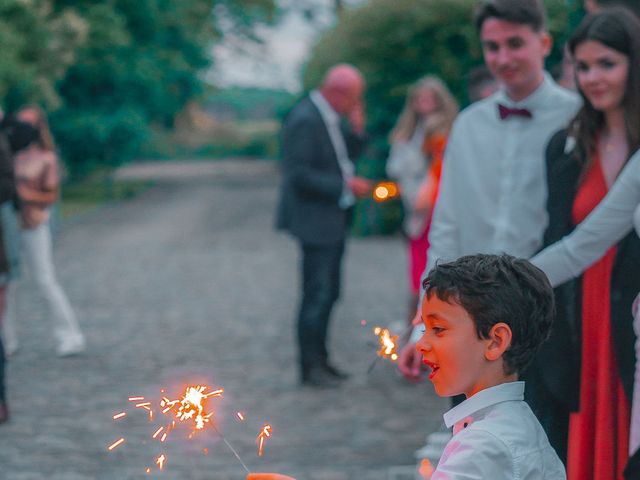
318,190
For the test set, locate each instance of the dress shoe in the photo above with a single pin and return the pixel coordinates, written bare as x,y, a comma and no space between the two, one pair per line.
4,412
319,377
334,372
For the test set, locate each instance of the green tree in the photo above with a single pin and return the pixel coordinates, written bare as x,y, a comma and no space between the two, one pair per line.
110,69
38,44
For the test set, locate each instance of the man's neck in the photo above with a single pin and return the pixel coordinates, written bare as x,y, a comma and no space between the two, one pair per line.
519,95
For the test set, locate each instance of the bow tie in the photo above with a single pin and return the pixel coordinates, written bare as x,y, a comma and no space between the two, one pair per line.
506,112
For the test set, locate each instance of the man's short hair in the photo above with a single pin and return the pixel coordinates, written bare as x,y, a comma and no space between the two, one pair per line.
499,288
524,12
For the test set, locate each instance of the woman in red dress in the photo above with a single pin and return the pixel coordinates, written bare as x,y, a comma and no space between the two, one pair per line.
600,140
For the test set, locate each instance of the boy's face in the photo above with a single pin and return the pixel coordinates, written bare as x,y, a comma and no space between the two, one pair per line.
451,348
515,53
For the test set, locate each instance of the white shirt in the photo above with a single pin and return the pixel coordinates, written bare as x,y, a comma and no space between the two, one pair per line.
609,222
331,120
496,436
493,189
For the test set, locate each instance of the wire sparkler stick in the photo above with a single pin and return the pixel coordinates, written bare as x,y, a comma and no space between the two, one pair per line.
233,450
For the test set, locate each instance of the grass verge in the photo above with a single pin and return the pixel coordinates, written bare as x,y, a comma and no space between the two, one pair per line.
84,195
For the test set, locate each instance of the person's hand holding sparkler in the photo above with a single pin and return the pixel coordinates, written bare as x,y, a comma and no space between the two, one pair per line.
360,186
410,361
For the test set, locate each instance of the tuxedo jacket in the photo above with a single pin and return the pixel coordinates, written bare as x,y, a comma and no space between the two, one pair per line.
560,356
312,181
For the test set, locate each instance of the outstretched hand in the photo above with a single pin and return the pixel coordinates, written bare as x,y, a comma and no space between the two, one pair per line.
268,476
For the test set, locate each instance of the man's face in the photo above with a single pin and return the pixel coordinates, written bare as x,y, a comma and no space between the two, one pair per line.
515,53
451,348
348,98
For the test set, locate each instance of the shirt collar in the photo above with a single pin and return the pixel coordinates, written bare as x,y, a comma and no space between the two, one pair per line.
326,110
533,101
488,397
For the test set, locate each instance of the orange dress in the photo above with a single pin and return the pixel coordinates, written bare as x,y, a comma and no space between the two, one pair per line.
599,432
433,147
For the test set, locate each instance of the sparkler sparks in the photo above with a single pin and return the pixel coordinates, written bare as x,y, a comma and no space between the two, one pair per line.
116,444
160,461
264,433
190,409
387,343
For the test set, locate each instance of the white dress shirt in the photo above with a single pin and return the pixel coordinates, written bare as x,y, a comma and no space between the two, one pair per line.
496,436
331,120
493,189
605,226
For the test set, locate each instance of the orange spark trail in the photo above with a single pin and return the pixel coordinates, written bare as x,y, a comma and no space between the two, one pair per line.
116,444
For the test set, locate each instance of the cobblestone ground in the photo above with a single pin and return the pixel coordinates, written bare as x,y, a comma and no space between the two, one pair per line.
189,283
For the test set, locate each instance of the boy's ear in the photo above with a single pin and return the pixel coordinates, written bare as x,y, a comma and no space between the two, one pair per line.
499,341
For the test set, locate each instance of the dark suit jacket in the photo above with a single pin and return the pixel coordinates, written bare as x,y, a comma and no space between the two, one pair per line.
312,181
559,357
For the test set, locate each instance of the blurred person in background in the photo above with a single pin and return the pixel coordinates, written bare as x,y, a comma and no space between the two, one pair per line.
13,136
592,6
417,142
38,186
319,189
480,83
583,162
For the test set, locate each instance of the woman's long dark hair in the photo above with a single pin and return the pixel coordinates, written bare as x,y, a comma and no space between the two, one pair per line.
619,29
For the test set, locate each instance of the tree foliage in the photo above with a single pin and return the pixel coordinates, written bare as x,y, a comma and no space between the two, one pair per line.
134,63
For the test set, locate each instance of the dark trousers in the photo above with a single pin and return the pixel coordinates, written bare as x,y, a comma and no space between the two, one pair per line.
552,414
320,290
632,471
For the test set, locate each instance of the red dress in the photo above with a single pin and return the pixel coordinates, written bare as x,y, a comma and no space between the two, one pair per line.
599,432
433,147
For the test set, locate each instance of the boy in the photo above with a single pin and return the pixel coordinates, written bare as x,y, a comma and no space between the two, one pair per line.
485,317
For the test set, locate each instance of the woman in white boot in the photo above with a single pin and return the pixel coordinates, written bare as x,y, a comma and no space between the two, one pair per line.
38,184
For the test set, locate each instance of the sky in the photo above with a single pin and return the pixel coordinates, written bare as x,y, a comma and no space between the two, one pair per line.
276,63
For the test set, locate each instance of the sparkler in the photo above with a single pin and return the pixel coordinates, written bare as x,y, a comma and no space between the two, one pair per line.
388,344
189,409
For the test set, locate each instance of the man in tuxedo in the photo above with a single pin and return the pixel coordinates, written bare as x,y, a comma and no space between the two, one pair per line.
319,188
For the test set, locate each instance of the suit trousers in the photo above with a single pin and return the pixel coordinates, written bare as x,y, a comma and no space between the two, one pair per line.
321,266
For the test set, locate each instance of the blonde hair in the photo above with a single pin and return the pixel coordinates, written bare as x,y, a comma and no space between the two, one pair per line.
45,139
438,122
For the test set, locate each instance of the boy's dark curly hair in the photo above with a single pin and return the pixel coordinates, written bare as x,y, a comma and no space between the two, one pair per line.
499,288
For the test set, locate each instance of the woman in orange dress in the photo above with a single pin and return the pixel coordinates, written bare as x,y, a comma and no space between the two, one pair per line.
417,142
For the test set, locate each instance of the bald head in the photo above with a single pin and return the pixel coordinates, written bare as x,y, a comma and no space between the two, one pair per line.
343,87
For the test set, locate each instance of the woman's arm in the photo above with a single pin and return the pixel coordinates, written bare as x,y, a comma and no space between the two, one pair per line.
610,221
